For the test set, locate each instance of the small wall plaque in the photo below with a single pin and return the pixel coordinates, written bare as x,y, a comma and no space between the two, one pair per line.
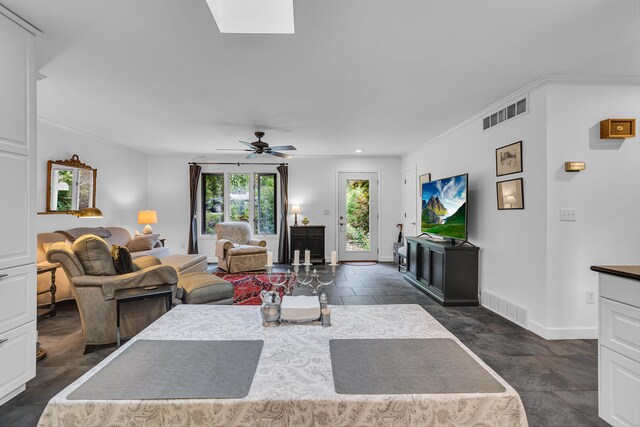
574,166
617,128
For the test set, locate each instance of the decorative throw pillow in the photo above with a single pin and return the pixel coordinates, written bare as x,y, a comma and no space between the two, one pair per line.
144,242
122,259
94,255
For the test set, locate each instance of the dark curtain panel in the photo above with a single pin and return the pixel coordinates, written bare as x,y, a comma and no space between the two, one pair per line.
283,248
194,178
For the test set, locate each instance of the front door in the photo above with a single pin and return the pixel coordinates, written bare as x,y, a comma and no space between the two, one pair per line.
358,216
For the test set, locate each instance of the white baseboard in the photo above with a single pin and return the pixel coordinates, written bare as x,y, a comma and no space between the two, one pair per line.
385,258
552,333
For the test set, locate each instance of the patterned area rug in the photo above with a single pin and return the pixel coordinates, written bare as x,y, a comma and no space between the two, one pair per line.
247,286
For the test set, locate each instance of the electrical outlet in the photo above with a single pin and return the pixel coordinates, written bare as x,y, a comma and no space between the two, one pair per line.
567,214
327,211
591,297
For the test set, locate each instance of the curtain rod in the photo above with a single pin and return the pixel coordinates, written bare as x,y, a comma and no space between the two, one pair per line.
236,163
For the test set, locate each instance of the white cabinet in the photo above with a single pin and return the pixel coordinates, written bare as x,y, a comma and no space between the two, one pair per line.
17,216
619,345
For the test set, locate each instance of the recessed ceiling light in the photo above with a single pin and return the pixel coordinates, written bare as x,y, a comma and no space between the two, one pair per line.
253,16
358,151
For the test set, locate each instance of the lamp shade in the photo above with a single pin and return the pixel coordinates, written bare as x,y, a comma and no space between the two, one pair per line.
510,199
147,217
295,209
89,213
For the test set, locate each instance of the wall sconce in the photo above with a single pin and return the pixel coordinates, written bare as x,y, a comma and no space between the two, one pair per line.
574,166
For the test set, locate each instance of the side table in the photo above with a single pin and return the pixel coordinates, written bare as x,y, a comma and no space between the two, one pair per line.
51,311
136,294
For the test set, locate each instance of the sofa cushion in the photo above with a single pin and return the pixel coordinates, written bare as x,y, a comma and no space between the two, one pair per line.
204,288
159,252
183,262
122,259
76,233
247,250
143,242
94,255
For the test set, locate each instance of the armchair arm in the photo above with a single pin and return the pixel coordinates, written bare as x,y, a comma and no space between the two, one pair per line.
257,242
145,262
151,276
222,245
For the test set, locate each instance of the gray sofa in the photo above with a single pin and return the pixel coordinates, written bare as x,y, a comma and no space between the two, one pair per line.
112,236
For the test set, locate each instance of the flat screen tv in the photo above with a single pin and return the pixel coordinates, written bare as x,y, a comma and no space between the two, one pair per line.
444,207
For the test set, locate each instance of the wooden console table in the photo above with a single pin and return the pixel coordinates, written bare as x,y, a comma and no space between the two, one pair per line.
309,237
445,272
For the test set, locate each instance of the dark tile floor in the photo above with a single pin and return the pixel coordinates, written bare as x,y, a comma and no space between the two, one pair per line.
557,380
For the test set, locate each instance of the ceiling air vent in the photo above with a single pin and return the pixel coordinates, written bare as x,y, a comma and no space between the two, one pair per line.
507,113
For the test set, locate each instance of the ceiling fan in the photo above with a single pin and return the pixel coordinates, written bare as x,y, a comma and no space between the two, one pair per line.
261,147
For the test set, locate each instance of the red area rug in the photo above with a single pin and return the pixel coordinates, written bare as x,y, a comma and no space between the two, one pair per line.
247,286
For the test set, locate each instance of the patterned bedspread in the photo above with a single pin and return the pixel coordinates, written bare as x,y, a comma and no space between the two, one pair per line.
293,384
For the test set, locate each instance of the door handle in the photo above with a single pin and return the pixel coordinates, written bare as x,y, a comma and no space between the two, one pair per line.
413,223
2,276
342,223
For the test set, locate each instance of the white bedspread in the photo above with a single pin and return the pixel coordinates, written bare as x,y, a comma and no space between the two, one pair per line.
293,384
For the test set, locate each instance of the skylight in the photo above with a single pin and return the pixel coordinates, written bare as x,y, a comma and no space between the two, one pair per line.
253,16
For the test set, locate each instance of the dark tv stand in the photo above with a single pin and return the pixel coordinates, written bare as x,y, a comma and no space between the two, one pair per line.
446,272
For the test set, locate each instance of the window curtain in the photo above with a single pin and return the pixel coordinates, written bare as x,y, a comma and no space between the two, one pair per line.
283,247
194,178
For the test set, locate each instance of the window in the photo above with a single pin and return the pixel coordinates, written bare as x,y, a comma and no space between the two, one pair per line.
239,197
244,197
212,201
265,203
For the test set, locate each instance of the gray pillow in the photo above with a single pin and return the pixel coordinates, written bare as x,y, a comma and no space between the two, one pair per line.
144,242
94,255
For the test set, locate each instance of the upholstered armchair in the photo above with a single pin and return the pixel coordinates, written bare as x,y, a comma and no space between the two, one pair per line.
89,266
236,250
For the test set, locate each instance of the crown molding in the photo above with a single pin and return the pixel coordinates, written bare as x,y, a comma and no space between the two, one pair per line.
19,21
77,131
575,80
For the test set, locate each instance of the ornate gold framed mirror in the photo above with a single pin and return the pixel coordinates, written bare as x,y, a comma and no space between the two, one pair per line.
71,185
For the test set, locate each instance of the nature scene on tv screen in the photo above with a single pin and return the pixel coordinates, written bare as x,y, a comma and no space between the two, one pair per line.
444,205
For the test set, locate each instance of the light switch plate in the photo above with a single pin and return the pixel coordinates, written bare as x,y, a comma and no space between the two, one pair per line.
327,211
567,214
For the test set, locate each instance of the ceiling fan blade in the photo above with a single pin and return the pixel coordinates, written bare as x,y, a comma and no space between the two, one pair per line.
284,156
248,144
283,148
251,156
232,149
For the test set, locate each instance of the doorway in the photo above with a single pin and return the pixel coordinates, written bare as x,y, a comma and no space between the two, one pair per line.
410,199
358,216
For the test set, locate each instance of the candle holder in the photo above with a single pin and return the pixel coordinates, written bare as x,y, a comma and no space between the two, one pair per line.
311,280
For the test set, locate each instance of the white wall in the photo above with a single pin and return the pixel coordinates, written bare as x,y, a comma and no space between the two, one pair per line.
312,183
121,181
528,257
512,244
606,197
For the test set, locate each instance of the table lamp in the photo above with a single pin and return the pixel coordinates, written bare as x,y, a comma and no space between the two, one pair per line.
147,217
295,209
509,201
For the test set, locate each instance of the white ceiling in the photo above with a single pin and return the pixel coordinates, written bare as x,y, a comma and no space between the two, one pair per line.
378,75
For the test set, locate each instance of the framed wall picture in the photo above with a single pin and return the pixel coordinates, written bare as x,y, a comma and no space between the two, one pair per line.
510,194
509,159
423,178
